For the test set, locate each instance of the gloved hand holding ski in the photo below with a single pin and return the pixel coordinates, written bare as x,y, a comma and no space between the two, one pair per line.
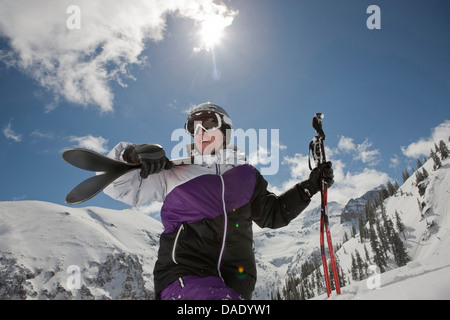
151,157
112,169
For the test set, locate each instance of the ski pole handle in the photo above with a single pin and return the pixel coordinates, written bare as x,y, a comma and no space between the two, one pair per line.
317,125
316,146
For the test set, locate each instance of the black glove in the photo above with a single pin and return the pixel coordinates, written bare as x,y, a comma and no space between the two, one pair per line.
313,184
152,158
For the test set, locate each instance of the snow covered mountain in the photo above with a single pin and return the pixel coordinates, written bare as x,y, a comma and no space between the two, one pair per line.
424,209
49,251
355,206
281,251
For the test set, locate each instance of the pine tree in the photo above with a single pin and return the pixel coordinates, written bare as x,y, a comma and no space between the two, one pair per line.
353,232
391,189
388,227
419,177
405,175
345,239
342,281
302,292
319,281
399,224
396,186
443,149
354,269
425,173
382,195
370,212
375,245
421,206
366,254
437,161
330,275
360,265
382,236
400,254
419,163
362,227
291,289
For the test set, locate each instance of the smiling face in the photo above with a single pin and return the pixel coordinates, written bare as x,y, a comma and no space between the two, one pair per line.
208,142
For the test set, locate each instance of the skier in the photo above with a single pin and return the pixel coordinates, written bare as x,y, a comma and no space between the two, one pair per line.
206,248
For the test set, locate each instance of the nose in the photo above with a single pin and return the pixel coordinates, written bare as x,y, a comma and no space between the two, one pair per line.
199,131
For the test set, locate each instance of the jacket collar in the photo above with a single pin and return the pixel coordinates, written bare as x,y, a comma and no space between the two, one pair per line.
230,155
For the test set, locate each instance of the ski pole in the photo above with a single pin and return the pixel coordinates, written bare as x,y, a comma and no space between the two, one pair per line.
317,149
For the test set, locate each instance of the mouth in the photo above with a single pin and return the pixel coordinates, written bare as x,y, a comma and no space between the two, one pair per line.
206,144
207,140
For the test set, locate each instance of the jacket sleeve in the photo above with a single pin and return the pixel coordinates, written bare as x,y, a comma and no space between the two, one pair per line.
131,188
272,211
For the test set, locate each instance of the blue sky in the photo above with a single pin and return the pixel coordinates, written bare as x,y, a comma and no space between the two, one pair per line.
130,72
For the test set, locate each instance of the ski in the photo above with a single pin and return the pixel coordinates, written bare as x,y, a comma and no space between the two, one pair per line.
93,161
96,162
317,149
92,186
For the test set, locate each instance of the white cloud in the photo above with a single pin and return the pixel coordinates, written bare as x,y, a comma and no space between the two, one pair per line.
298,171
354,184
394,162
98,144
298,164
361,151
424,145
45,135
9,133
367,156
346,144
80,64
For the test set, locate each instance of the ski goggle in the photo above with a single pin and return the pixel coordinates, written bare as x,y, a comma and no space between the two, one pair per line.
206,120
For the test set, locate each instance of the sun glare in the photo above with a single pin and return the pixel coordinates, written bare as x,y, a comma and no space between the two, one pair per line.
211,31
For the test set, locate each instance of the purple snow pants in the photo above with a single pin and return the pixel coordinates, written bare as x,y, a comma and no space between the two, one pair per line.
196,288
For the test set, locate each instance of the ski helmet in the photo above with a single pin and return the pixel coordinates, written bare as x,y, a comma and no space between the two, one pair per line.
209,107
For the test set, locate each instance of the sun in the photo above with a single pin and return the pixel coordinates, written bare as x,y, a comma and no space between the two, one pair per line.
211,31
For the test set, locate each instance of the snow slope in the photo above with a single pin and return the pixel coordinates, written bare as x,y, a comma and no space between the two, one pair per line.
415,281
426,236
427,239
115,252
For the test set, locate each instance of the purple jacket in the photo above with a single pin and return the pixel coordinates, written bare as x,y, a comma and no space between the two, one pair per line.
207,216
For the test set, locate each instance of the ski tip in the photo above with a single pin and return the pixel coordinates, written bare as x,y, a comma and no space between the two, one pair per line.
72,200
70,152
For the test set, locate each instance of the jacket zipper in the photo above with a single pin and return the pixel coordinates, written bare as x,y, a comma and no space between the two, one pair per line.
225,222
181,228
